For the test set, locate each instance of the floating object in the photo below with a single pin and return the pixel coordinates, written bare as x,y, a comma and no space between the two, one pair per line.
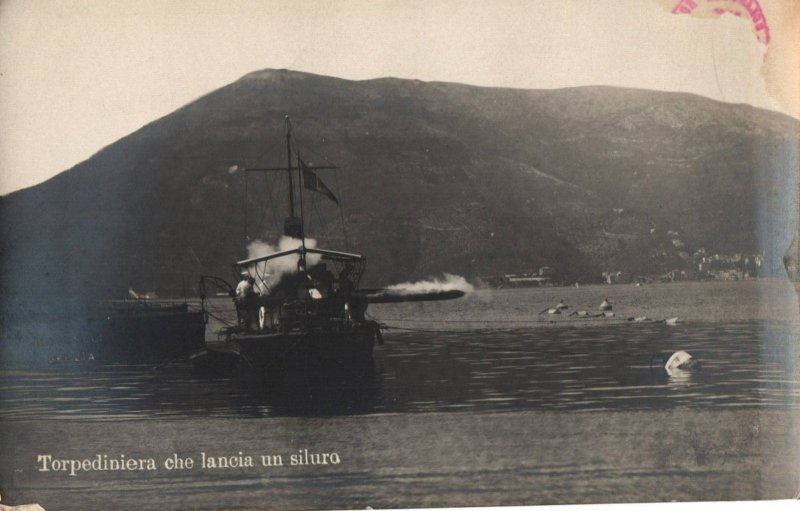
605,306
556,309
679,362
638,284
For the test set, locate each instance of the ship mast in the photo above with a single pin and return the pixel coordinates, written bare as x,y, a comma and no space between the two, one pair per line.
293,226
289,166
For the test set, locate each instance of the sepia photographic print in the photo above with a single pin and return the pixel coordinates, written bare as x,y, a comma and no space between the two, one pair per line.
358,254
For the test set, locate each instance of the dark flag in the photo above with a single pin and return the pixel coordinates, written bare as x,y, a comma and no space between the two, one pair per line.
312,181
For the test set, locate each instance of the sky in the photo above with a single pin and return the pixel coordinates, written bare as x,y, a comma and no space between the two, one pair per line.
75,76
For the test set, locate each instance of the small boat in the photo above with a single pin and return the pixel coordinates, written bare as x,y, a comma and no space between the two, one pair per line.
605,305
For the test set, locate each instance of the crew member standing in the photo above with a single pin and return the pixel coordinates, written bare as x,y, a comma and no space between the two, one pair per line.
245,296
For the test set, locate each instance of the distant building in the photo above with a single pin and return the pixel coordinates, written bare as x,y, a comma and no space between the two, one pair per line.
617,277
675,276
728,274
526,280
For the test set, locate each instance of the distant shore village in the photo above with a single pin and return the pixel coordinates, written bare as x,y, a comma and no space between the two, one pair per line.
699,266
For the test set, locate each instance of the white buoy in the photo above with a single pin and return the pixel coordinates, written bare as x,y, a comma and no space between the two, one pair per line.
679,362
605,306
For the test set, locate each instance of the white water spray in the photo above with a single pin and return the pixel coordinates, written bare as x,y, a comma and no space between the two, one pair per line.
450,282
268,273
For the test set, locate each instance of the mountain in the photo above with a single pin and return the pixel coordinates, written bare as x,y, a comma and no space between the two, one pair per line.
434,177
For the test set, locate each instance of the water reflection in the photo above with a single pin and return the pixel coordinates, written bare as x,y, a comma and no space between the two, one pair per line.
321,392
604,368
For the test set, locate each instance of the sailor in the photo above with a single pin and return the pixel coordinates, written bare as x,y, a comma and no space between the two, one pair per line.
245,298
322,279
301,281
345,285
305,287
244,288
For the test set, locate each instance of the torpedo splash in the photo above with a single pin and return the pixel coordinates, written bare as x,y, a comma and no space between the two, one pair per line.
449,282
446,288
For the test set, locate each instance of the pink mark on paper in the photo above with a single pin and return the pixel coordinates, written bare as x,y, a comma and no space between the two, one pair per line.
736,7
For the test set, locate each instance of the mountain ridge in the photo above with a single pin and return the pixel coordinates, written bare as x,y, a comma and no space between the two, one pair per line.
511,179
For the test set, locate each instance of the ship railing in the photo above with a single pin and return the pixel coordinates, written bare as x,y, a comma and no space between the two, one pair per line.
331,313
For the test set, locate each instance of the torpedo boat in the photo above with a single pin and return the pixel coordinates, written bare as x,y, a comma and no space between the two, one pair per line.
301,307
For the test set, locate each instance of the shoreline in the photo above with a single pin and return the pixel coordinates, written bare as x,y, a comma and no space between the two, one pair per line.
710,301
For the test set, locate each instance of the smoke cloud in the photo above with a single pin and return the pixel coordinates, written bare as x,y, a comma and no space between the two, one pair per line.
448,283
268,273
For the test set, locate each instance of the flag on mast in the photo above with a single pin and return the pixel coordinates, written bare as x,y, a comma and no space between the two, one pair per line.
312,181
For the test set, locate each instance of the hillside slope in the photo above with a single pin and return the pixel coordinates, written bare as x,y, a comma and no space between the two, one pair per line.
433,177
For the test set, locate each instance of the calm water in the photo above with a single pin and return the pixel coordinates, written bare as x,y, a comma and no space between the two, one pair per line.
457,356
418,428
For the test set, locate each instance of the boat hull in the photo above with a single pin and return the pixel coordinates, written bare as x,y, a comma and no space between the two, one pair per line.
149,335
276,354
